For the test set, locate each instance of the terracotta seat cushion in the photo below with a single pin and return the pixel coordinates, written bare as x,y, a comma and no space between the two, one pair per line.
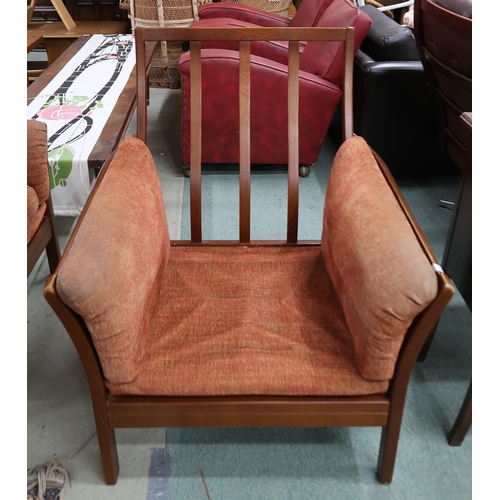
121,246
377,267
248,321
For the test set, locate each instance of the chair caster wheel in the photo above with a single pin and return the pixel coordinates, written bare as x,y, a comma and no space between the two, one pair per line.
304,170
186,170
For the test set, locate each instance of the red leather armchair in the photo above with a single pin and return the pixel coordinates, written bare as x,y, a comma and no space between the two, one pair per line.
319,90
239,15
307,16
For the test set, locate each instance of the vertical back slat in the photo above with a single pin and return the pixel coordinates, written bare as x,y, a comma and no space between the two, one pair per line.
244,141
293,142
245,36
195,181
347,114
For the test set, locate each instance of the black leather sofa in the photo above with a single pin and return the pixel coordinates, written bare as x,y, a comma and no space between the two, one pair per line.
393,106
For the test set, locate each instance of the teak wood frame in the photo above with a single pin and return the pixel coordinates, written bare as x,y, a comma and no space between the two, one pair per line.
383,410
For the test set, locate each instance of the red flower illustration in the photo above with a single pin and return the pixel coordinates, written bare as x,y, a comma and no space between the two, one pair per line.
67,112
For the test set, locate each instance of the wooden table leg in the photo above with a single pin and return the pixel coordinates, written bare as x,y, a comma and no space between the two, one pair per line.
463,421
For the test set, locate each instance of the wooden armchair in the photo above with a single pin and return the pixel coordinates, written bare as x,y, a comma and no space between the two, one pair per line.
42,234
176,334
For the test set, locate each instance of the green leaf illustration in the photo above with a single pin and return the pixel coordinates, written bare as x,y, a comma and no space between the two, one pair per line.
60,165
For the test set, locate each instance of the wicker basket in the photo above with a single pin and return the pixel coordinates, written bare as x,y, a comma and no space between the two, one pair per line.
164,70
279,7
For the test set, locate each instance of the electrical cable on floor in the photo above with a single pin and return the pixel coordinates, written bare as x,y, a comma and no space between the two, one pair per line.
205,484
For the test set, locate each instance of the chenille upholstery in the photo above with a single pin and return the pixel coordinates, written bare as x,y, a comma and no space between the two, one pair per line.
254,321
232,321
37,174
122,246
383,282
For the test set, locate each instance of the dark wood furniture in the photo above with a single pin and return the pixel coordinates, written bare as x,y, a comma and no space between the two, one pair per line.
463,421
117,125
444,42
125,411
444,39
96,10
35,68
80,10
457,263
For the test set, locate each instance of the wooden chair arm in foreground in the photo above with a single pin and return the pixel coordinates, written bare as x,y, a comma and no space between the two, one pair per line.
248,333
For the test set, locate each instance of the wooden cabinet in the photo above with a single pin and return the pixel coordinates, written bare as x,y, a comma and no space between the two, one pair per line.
80,10
96,10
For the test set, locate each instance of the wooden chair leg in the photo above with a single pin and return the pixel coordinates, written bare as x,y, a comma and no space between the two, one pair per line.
388,449
109,452
427,344
53,254
463,422
105,434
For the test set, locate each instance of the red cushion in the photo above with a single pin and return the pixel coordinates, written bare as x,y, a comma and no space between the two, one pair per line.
309,13
326,59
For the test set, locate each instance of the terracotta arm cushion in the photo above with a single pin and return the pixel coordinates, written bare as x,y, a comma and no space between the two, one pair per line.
37,174
378,269
269,142
117,293
243,13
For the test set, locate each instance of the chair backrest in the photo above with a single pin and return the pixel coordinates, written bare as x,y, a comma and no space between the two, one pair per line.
444,41
344,37
326,60
309,13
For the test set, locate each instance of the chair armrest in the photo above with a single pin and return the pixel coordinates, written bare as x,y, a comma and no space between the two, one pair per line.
243,13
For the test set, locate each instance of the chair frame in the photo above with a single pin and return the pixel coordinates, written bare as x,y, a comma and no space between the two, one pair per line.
45,238
383,410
